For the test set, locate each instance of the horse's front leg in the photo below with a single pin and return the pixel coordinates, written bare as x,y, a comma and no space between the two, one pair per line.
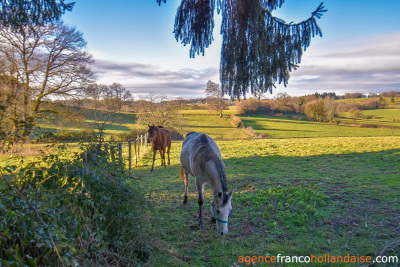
162,158
200,192
154,158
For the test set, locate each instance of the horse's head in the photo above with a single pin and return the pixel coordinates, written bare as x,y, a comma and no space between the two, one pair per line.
151,133
221,207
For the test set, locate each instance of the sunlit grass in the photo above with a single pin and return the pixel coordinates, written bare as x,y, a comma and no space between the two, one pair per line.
216,127
274,127
226,112
354,170
385,117
354,175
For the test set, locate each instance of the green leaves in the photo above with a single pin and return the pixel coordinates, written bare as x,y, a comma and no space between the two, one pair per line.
88,209
258,49
32,13
194,24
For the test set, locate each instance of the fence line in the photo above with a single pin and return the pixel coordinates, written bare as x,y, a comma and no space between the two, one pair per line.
139,149
140,146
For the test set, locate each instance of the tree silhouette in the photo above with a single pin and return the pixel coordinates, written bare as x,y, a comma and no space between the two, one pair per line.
258,49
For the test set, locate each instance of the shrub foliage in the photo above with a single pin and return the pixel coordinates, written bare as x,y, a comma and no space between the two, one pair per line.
64,211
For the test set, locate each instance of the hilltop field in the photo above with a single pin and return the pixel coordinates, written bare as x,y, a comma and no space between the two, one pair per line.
305,188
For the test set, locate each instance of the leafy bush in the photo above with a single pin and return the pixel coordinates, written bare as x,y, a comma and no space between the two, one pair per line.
364,105
84,211
248,106
129,135
251,131
236,121
262,135
67,136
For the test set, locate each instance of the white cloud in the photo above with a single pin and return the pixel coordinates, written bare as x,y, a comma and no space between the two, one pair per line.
142,78
368,64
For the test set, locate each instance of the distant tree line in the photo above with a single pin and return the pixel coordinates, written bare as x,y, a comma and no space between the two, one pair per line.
316,106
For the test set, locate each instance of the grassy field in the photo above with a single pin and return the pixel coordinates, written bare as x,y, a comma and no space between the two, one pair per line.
307,188
334,192
347,187
275,127
395,102
387,117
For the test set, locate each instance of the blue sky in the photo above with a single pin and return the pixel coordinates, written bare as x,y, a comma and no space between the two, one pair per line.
133,44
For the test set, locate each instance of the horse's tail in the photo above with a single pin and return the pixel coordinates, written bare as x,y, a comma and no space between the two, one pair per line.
182,174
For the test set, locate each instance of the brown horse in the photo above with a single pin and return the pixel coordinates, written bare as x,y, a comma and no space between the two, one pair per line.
161,140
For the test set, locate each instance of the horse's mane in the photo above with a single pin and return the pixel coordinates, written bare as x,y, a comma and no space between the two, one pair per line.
206,154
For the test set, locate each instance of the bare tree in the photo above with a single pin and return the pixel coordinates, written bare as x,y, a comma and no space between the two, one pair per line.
41,65
157,109
215,96
103,102
283,102
118,95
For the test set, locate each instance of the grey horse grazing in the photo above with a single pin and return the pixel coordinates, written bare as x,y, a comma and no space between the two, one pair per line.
201,158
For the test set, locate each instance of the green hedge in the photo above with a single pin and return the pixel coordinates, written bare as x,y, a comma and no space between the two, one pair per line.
85,211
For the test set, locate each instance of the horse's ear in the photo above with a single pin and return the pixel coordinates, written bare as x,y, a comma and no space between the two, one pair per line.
219,194
231,193
148,125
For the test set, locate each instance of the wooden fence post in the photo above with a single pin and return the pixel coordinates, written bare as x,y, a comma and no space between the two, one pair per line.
130,156
112,152
135,144
138,147
120,152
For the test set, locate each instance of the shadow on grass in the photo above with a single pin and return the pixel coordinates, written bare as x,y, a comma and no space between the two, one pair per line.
361,215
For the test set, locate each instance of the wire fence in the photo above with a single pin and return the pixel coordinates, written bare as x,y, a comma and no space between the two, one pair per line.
139,145
136,150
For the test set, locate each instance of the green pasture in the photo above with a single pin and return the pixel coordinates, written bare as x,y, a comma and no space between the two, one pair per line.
216,127
393,103
275,127
384,117
209,122
227,112
307,188
299,196
116,123
386,99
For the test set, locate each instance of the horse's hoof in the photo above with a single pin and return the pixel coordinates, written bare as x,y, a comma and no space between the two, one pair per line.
185,201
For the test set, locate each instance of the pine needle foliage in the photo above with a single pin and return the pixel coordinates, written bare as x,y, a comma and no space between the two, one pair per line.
258,49
20,13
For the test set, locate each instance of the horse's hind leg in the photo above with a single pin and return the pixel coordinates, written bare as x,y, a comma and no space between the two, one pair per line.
186,178
162,158
169,147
